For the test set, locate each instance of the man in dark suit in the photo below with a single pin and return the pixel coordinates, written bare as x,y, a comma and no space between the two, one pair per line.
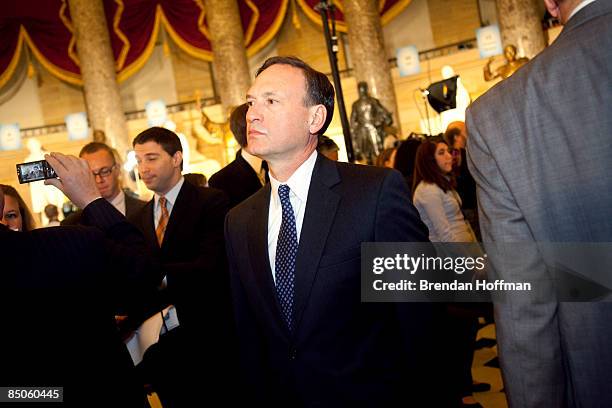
184,223
539,149
242,177
306,338
47,272
106,170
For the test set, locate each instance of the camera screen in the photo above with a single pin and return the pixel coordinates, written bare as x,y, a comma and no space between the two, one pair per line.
34,171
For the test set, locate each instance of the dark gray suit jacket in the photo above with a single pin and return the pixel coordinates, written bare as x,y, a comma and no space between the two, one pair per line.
540,150
342,352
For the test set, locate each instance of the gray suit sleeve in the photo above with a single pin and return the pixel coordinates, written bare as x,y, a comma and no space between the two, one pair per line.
527,330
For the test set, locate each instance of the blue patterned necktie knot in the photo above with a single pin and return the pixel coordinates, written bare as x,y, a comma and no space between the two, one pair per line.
286,251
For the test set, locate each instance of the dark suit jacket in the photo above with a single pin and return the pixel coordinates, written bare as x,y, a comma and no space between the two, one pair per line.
193,257
238,180
47,341
132,206
192,253
342,352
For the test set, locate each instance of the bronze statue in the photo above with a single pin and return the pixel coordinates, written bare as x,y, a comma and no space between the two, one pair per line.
504,71
368,121
99,136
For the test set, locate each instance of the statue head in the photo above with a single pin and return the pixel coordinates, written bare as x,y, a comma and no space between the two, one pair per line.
99,136
510,53
447,72
34,146
363,88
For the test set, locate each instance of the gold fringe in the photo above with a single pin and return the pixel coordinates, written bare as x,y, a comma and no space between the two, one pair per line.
182,44
31,70
139,62
126,42
62,74
266,37
248,36
341,25
294,16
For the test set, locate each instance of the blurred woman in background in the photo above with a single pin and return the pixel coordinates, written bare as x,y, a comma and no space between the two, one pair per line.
16,215
434,194
439,206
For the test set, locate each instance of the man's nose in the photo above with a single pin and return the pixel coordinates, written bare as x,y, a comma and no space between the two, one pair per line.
142,169
253,113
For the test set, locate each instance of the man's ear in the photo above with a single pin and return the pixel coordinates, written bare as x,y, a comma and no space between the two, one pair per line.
318,114
553,8
177,158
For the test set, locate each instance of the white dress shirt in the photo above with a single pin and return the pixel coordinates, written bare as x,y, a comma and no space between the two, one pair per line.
580,7
299,184
119,202
170,200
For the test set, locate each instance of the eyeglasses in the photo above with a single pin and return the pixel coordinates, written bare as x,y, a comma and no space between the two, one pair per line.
104,171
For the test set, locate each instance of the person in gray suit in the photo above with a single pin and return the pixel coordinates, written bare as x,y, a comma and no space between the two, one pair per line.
540,152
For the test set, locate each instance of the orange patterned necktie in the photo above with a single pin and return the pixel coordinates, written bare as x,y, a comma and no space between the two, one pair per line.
163,221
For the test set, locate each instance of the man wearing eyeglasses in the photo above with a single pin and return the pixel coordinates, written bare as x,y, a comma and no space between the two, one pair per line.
106,171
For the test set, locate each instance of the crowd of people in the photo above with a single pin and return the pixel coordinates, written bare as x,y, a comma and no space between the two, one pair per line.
254,280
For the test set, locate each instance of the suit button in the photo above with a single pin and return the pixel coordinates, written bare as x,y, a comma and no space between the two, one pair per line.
292,354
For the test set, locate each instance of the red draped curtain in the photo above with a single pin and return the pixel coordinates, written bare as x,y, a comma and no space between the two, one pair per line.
46,27
388,9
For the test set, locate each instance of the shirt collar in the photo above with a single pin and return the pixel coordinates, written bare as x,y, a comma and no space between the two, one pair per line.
254,161
299,182
119,200
172,194
580,7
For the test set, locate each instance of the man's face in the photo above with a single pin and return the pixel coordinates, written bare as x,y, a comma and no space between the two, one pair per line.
159,171
106,173
460,139
278,123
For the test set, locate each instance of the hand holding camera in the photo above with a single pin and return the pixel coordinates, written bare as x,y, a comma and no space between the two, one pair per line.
75,178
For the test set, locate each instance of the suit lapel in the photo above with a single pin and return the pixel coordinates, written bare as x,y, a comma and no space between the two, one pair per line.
320,212
148,222
180,210
257,236
131,205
